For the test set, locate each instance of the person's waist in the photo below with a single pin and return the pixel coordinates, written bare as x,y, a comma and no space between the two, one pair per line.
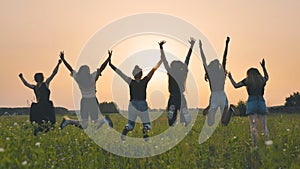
255,98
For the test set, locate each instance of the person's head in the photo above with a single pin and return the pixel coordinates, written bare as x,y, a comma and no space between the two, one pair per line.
84,78
254,77
84,70
214,65
39,77
137,72
179,71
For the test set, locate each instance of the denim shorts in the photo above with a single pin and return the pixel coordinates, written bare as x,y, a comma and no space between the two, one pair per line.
256,105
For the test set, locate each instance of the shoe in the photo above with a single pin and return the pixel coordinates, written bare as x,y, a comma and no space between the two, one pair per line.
64,123
146,130
108,121
124,133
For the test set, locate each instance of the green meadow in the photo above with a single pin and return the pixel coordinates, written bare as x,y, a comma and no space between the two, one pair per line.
229,146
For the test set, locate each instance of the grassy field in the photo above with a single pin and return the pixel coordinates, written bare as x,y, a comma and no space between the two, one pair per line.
229,147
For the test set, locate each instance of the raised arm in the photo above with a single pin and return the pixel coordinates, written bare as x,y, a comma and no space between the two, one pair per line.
235,85
150,74
102,67
188,56
31,86
225,54
263,65
53,73
203,56
62,57
163,56
120,73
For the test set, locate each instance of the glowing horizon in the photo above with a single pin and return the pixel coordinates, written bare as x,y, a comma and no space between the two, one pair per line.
33,33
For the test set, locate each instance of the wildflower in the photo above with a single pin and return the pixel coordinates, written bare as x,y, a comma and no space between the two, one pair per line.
15,123
1,150
38,144
287,130
7,138
24,162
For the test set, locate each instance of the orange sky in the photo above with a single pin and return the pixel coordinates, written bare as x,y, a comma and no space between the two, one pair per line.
33,32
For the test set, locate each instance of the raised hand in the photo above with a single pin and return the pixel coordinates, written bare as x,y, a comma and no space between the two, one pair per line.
109,55
161,43
192,41
21,75
227,39
62,55
262,63
200,43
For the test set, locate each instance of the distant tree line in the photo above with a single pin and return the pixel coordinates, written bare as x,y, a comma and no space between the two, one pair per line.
105,107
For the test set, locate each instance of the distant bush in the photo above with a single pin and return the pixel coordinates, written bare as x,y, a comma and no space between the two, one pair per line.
293,100
241,106
108,107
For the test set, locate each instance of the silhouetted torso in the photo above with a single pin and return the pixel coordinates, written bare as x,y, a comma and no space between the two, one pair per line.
254,90
42,93
138,89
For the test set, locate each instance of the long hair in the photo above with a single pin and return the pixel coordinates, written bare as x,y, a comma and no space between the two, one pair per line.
254,79
84,77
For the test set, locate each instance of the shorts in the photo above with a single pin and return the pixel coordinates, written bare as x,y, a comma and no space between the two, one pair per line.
256,105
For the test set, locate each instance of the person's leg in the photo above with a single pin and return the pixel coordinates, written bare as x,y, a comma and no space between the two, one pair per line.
173,107
66,121
265,131
132,115
185,117
143,113
253,128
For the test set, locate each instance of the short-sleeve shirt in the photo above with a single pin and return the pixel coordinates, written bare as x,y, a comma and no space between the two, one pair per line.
254,91
138,89
87,84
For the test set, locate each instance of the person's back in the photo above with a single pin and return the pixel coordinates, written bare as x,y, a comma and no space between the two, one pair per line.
177,77
216,76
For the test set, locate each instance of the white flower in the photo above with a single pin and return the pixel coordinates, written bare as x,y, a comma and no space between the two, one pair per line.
15,123
24,162
1,150
7,138
288,130
269,142
38,144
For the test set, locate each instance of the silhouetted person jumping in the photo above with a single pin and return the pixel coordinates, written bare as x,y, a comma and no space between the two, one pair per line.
177,74
215,74
138,94
42,112
89,105
227,110
256,106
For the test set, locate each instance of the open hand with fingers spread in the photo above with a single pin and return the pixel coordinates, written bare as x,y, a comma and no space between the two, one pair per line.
161,43
262,63
192,41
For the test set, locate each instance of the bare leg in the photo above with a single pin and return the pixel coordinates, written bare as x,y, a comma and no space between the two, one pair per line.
253,128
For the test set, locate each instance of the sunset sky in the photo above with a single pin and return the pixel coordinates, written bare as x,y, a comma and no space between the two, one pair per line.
33,32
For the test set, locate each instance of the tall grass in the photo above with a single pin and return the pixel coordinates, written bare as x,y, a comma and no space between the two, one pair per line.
228,147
